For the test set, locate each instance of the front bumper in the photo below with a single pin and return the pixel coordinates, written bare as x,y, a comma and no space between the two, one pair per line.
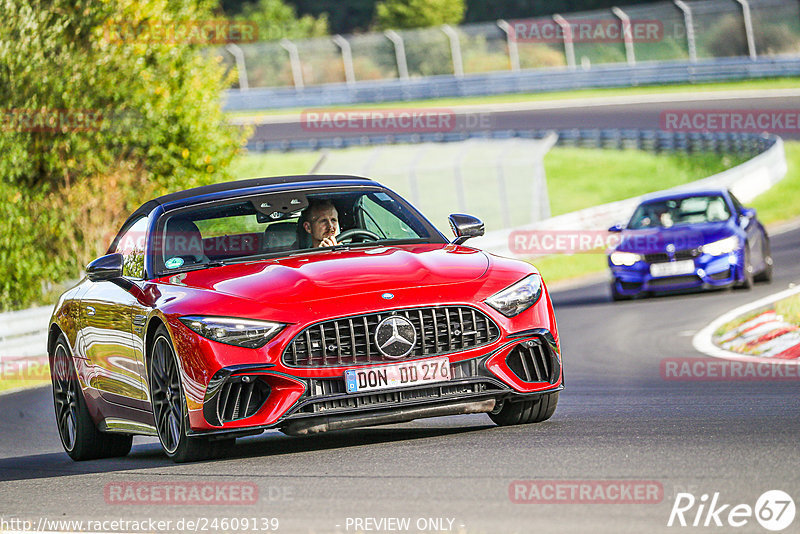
527,363
710,272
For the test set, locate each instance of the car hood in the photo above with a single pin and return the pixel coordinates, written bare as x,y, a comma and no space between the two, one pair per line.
650,240
336,274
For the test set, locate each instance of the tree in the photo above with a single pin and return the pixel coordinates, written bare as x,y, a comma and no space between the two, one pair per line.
100,110
276,20
400,14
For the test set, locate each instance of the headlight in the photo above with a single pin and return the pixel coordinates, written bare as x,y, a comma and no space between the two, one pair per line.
239,332
515,299
723,246
624,258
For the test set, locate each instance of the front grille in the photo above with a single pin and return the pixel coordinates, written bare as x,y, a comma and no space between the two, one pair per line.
673,281
335,387
531,361
663,257
238,399
351,340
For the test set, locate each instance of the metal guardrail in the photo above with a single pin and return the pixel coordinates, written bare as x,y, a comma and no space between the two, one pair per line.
24,333
524,81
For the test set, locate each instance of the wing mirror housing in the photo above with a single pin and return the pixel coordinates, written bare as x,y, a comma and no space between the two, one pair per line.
616,228
105,268
465,227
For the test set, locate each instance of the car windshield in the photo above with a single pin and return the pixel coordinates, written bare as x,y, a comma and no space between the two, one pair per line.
677,211
285,223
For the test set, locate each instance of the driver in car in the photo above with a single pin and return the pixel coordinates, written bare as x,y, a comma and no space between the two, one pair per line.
321,221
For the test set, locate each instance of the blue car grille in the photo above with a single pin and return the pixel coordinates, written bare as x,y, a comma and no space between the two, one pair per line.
663,257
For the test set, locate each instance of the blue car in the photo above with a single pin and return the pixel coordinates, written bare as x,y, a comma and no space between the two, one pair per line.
689,240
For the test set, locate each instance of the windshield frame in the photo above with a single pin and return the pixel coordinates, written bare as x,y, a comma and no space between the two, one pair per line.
726,201
155,254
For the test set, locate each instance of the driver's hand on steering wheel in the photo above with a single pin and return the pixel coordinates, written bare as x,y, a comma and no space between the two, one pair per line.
329,241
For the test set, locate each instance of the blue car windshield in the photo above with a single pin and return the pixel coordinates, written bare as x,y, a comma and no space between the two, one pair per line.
678,211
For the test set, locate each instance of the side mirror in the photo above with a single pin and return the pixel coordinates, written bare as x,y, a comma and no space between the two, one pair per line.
616,228
465,226
105,268
748,213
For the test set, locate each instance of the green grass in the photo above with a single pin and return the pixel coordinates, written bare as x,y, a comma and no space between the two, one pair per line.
782,202
764,83
560,267
582,177
273,164
789,308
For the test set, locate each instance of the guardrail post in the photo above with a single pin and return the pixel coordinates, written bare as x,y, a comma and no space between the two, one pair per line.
347,58
399,53
455,49
748,28
294,58
569,48
241,68
627,34
511,40
688,21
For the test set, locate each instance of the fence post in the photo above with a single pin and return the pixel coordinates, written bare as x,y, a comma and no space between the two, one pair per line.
627,34
241,69
347,58
748,28
455,49
688,21
399,53
294,58
569,48
511,40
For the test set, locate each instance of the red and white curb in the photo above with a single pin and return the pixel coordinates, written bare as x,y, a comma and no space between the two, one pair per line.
767,335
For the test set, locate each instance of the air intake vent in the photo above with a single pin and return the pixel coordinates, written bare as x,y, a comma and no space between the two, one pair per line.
240,397
531,361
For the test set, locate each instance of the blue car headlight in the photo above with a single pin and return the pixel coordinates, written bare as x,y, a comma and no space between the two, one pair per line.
723,246
246,333
625,258
517,298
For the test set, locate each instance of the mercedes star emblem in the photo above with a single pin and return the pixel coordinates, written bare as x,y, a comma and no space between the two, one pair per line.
395,337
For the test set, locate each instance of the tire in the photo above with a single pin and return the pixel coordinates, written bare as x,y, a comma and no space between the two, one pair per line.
78,433
169,407
766,253
528,411
747,283
616,296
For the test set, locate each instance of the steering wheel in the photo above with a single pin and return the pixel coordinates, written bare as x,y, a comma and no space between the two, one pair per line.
357,232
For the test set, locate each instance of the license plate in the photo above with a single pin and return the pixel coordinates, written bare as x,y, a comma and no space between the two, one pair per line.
397,375
672,268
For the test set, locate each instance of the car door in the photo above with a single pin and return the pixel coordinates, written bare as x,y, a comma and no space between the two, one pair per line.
109,313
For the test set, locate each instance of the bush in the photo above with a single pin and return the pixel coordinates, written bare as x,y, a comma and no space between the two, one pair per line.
400,14
152,122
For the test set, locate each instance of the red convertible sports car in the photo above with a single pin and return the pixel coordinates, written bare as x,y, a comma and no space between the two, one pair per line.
302,303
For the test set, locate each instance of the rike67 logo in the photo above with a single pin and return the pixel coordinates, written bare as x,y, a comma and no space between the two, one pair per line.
774,510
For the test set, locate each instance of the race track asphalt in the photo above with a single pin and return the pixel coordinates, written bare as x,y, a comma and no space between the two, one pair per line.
617,419
645,114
